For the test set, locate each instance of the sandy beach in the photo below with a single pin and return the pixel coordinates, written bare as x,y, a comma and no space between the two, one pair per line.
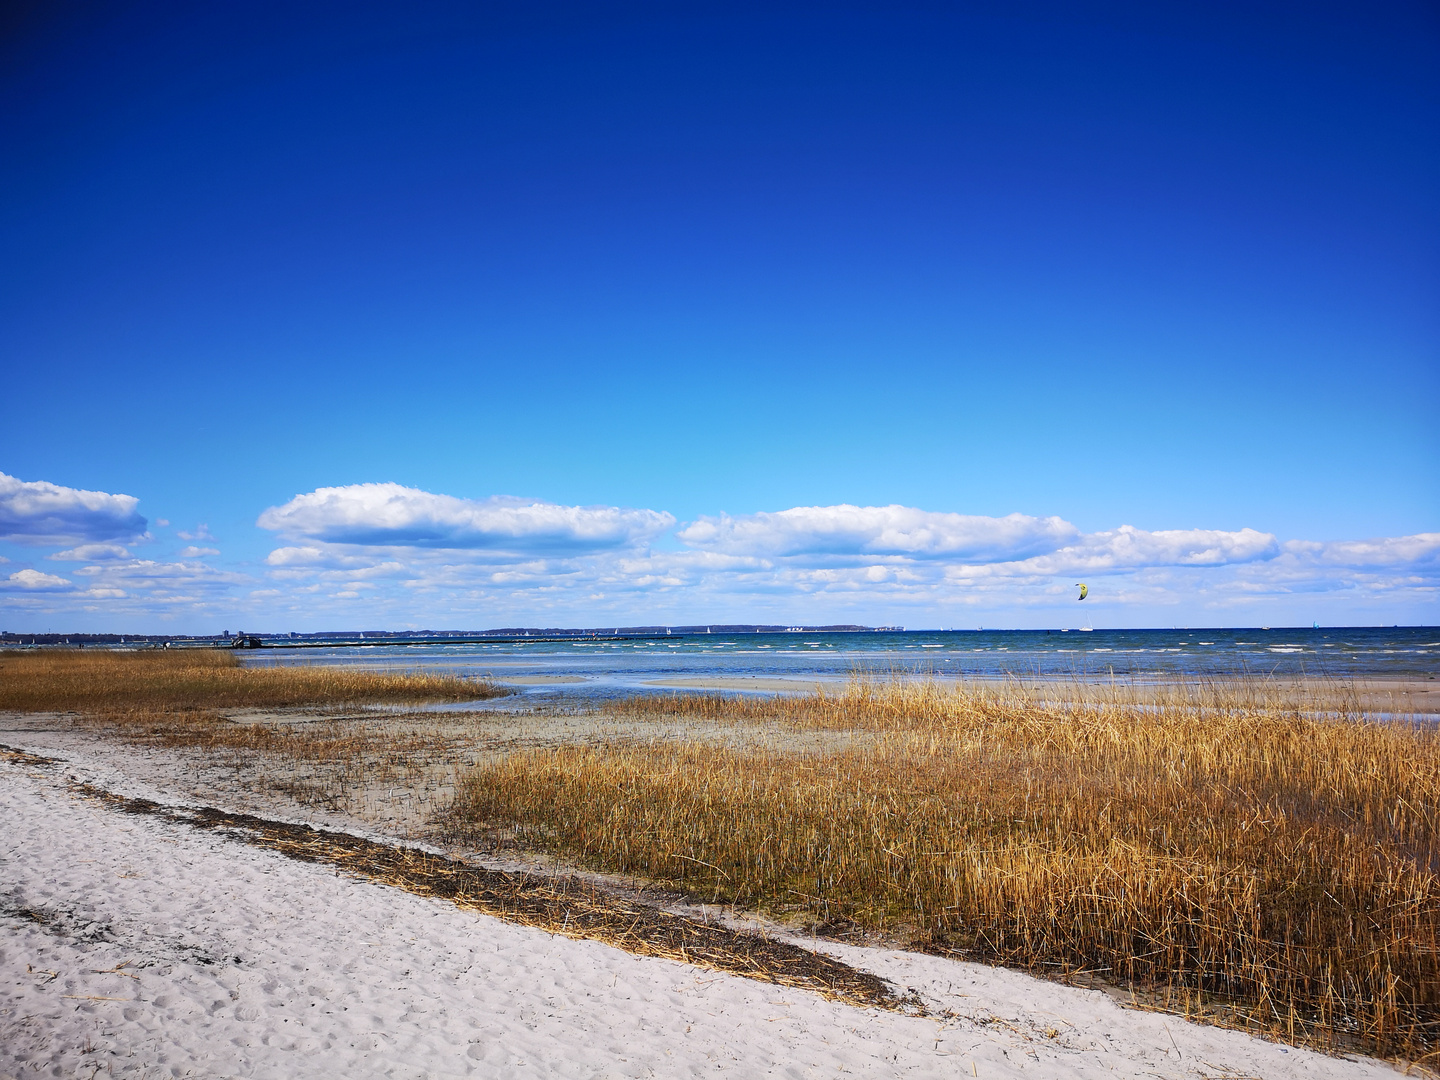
141,947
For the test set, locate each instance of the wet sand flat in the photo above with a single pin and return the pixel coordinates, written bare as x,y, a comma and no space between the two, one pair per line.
540,680
761,683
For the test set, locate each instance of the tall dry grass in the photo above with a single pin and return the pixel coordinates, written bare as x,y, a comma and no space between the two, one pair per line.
1274,867
878,702
102,681
177,699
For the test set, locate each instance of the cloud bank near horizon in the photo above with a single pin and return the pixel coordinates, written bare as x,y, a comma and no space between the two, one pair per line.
394,555
397,547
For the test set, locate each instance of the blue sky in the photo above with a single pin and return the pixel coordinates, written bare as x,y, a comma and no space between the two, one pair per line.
679,313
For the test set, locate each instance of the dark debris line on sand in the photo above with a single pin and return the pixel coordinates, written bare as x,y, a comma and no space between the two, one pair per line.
566,906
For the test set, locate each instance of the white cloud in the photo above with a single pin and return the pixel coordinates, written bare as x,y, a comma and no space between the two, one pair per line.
91,553
161,577
1130,548
387,569
201,532
1419,550
394,555
391,515
425,553
311,556
878,530
131,594
827,536
41,513
34,579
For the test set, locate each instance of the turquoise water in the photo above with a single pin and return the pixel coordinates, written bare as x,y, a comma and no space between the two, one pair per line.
609,667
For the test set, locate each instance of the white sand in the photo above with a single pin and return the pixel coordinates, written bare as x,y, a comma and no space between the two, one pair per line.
170,952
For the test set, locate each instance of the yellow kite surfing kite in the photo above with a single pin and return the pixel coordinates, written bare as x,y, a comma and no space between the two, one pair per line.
1084,589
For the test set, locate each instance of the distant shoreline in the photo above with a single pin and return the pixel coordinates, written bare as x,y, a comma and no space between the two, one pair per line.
502,635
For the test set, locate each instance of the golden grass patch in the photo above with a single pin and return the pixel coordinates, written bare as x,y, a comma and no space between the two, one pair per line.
178,699
1265,866
1249,856
99,680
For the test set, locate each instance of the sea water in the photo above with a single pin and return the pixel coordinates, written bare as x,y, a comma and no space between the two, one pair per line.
611,667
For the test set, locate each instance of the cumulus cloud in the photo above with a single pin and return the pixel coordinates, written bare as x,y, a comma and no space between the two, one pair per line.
846,530
41,513
402,555
817,535
1419,550
312,557
391,515
151,573
1130,548
148,585
35,580
139,591
389,568
92,553
201,532
416,551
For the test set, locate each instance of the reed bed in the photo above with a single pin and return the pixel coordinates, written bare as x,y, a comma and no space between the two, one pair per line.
1245,853
883,701
1272,867
178,700
103,681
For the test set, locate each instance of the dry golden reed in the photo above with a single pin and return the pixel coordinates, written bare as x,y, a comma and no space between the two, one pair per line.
1275,864
178,698
105,681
